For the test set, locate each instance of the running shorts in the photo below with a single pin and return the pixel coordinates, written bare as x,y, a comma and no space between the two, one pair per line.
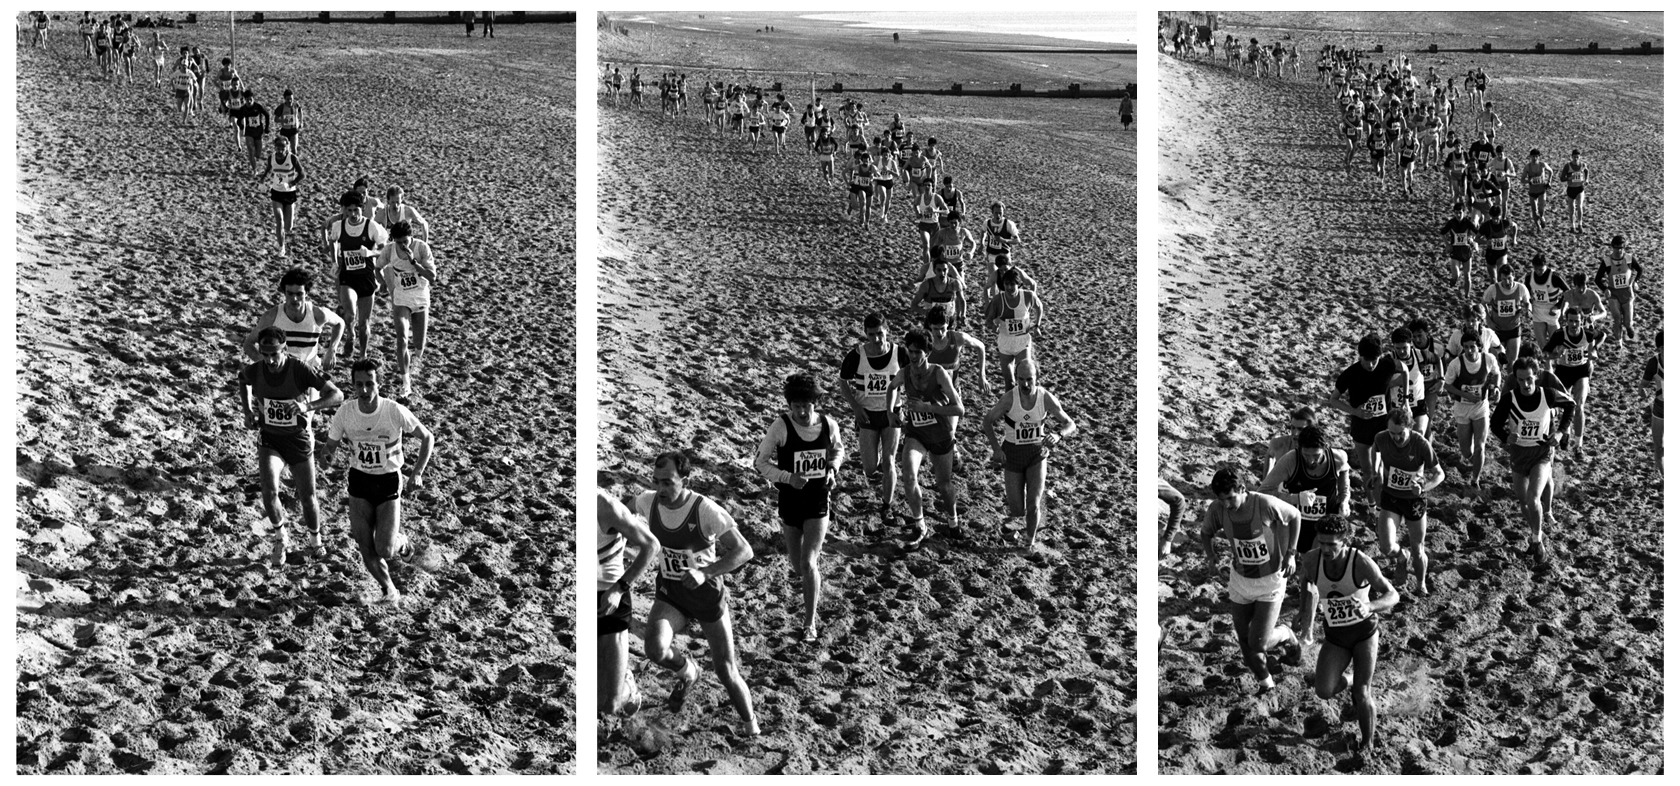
1267,589
1349,636
1573,191
283,197
702,604
1525,458
618,617
1408,508
1569,375
375,488
1020,458
291,448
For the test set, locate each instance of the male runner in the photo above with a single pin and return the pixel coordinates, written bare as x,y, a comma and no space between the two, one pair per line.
801,453
1016,315
409,275
354,241
616,530
274,395
931,405
699,545
1405,469
1541,416
1263,531
283,172
311,332
1025,411
374,427
866,376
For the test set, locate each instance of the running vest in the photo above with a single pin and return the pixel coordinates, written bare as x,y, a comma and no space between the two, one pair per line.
924,207
947,244
1572,352
1575,174
947,356
684,544
1542,289
996,240
1253,554
609,557
1344,601
1533,425
863,176
805,458
1024,425
1621,273
1414,376
1315,493
183,80
875,380
348,242
1014,320
928,390
1503,315
303,337
1473,381
947,298
286,116
224,79
280,175
1500,239
275,390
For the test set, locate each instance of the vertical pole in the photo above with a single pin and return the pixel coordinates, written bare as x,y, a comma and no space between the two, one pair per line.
230,34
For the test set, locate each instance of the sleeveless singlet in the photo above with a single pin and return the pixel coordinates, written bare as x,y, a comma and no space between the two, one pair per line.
1572,352
995,238
280,178
876,379
1473,381
1024,425
609,558
1344,602
347,242
1533,425
1315,493
303,337
1016,320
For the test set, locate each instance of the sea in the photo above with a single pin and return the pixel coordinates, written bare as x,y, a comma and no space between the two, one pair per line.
1109,27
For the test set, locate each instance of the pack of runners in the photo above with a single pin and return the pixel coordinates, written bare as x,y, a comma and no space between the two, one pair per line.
290,358
907,392
1514,361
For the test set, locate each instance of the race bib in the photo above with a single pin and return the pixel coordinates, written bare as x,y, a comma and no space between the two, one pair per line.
1497,243
810,464
921,419
1473,391
1461,238
1015,327
1029,433
1576,178
355,263
1621,280
279,412
1574,356
1376,405
1529,428
1342,611
1506,308
281,181
1401,480
674,564
370,456
875,386
1253,551
409,280
1313,506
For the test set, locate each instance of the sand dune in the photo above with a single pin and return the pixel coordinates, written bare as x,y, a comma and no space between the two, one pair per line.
723,270
151,636
1273,263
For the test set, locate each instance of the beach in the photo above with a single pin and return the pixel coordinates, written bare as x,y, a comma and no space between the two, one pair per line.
152,635
1274,261
723,269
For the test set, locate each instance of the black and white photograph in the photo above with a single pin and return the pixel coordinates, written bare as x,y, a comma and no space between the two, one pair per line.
296,380
867,363
1410,322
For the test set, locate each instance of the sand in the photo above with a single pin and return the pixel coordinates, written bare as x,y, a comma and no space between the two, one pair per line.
723,270
151,636
1273,263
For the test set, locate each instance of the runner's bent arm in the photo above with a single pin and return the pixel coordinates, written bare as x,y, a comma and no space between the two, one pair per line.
980,350
733,551
1053,409
1307,614
421,459
1384,596
250,343
764,459
988,424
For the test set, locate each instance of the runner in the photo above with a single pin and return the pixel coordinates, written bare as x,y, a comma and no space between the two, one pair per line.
252,120
1653,379
374,427
866,376
1016,315
951,243
184,81
354,241
699,545
1619,273
274,395
1546,287
1263,531
1407,387
1499,236
779,119
1025,410
801,453
1584,300
1174,502
1313,477
311,332
283,172
1471,380
1459,231
886,172
1283,444
1407,150
1405,469
944,289
225,77
409,273
123,45
1509,308
1344,580
1572,351
1000,235
1575,178
825,148
929,409
160,54
1537,175
1126,111
1542,416
288,118
927,209
395,209
863,182
952,196
616,530
1362,393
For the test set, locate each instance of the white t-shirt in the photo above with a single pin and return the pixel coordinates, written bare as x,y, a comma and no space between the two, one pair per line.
375,437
